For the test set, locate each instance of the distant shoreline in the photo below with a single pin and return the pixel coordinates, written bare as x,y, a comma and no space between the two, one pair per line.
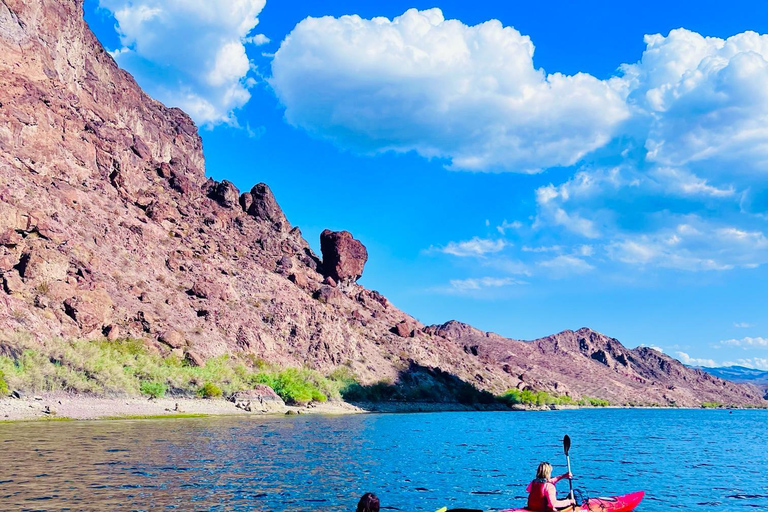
62,407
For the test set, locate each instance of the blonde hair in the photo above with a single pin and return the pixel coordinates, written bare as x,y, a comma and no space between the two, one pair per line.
544,470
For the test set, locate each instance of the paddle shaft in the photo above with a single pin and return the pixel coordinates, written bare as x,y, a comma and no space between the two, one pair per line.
566,449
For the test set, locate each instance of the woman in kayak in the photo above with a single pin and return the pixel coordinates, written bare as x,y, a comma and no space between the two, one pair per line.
368,503
542,495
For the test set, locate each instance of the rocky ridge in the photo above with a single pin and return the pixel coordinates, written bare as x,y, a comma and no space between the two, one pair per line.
588,363
110,228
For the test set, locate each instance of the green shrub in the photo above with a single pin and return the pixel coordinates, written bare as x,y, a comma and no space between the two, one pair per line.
3,385
295,386
153,388
540,398
711,405
594,402
209,390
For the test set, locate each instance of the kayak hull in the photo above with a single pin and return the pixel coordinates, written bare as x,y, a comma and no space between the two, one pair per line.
625,503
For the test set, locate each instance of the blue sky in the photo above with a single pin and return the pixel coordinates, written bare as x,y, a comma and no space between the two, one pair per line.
525,168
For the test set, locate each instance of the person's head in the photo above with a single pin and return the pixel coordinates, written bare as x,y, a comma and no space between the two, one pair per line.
368,503
544,470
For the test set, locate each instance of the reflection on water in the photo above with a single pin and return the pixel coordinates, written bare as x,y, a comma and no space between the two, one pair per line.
706,460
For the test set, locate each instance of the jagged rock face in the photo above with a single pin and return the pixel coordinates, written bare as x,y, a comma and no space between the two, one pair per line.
588,363
263,206
343,257
110,228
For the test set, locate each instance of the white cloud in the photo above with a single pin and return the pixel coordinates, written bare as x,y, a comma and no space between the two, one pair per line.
706,99
684,183
696,107
746,342
742,325
479,287
508,265
477,247
189,53
546,248
692,248
469,94
258,40
694,361
554,202
759,363
565,265
508,225
484,282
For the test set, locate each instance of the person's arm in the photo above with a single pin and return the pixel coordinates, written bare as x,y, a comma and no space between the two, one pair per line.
558,478
552,500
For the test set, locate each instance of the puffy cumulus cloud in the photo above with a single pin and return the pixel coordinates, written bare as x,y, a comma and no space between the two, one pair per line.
706,100
419,82
189,53
696,106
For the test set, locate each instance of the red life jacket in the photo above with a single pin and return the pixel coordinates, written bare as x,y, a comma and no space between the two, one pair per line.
537,498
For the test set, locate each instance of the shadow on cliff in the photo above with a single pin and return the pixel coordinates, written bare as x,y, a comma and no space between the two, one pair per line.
419,383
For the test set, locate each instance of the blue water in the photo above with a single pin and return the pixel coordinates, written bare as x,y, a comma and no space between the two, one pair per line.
684,459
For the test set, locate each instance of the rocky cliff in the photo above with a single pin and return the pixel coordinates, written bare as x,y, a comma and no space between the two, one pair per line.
588,363
109,228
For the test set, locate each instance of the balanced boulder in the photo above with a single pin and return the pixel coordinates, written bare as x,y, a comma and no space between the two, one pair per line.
343,257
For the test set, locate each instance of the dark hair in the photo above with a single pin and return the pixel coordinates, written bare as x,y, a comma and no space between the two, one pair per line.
368,503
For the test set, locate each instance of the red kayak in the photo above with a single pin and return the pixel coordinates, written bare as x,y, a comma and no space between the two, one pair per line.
625,503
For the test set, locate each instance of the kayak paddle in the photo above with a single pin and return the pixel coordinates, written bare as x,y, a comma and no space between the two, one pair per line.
566,447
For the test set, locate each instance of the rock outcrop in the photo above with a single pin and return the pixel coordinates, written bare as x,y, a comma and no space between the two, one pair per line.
343,257
109,228
588,363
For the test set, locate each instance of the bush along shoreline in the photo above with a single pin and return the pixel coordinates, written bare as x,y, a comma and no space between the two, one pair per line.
128,368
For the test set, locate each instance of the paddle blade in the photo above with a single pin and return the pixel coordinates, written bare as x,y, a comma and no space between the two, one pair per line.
566,444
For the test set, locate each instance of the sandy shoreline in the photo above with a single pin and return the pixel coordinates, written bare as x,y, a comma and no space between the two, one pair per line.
63,406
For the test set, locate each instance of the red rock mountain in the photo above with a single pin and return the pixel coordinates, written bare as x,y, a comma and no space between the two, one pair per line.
109,227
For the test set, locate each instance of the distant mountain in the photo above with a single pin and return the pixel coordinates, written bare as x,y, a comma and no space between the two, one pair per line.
740,374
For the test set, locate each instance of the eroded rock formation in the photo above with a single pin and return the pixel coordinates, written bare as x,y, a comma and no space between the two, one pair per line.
343,257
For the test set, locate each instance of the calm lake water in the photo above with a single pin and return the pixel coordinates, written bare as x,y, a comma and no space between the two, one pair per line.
700,460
